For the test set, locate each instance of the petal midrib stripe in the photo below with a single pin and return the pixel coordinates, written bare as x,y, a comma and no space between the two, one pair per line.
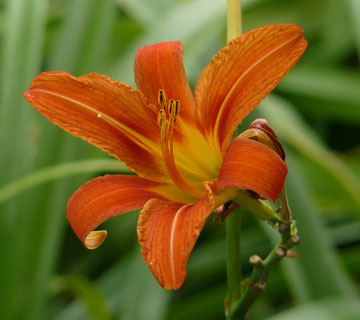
222,107
172,242
140,140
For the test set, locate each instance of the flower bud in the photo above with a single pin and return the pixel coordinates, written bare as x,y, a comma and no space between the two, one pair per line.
260,131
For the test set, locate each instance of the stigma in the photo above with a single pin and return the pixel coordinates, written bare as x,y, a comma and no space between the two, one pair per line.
166,120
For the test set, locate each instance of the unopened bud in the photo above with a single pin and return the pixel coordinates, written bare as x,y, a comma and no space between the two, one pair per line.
260,131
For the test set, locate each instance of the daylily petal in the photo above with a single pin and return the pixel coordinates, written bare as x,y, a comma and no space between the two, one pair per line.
250,165
167,232
104,197
242,74
161,66
108,114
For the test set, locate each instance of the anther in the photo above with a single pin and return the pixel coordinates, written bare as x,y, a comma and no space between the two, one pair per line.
162,99
166,119
160,118
171,103
177,109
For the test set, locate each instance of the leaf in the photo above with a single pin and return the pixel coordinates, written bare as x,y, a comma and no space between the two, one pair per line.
294,131
170,27
318,267
56,172
130,290
335,308
21,44
354,12
86,291
328,92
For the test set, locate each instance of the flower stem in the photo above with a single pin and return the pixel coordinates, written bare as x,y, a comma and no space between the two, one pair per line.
284,210
261,269
259,208
233,19
233,262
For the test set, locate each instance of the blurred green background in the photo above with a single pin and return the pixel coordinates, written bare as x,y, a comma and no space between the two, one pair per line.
46,273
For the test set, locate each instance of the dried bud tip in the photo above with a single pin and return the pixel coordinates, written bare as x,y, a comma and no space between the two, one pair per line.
255,260
223,211
260,130
291,254
257,287
284,228
280,253
295,239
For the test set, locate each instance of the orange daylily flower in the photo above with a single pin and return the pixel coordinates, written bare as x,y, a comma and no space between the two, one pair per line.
177,144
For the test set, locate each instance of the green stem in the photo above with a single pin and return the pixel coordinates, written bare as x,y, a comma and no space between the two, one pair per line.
233,19
257,282
233,261
263,211
259,208
284,210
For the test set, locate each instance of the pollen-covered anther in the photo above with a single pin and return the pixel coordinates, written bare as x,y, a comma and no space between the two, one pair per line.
166,121
161,117
167,116
173,110
177,109
162,99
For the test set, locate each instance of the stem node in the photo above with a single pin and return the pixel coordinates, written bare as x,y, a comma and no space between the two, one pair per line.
295,239
257,287
255,260
280,253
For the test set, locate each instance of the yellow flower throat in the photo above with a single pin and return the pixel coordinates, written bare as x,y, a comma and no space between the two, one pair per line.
166,125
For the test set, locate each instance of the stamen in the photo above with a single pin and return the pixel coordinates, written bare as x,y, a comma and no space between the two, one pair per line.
177,109
167,144
162,99
164,131
160,118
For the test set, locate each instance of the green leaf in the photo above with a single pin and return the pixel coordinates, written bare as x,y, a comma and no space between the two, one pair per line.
86,291
169,28
21,43
80,44
326,92
36,178
147,12
335,308
354,12
86,31
289,126
21,56
318,267
130,290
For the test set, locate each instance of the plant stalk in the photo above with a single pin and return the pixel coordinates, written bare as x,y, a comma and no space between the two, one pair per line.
233,223
261,270
233,19
233,259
